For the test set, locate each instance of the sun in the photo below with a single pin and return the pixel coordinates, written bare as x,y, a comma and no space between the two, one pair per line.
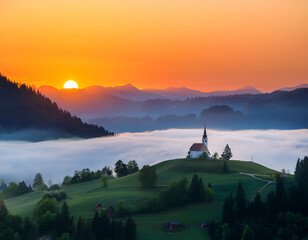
70,84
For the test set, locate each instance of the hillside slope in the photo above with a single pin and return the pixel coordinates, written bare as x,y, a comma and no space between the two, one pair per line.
83,197
22,108
88,193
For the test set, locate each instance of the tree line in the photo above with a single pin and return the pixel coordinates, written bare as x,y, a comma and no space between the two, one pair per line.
49,220
178,193
86,175
284,214
122,169
14,189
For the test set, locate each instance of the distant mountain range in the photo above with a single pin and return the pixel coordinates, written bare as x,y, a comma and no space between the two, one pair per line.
277,110
127,100
126,108
288,89
183,92
129,92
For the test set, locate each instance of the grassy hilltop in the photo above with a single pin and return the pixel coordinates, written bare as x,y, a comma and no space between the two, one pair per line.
82,197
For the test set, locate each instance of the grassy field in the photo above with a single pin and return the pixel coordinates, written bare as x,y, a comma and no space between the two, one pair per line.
83,197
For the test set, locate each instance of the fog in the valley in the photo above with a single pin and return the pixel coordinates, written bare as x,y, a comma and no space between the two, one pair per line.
276,149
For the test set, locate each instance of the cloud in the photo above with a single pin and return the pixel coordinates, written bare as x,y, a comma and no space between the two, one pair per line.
20,160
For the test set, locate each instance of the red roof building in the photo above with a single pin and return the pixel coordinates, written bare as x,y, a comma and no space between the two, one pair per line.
198,149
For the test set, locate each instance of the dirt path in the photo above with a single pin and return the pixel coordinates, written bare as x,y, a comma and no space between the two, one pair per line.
268,182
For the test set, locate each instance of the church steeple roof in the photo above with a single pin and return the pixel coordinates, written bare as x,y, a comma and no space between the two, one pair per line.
204,134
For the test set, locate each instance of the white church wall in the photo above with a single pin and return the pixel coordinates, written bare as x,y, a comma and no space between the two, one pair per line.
195,154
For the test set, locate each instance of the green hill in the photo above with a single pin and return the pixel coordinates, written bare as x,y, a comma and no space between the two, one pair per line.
83,197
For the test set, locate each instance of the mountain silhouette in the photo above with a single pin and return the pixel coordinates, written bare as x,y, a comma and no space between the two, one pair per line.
287,89
23,108
97,101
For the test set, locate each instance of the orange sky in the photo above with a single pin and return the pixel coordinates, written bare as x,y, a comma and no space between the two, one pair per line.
201,44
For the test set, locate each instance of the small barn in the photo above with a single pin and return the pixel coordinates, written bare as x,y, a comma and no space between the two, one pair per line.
110,211
172,225
98,206
204,225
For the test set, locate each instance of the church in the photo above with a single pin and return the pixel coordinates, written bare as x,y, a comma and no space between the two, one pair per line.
199,148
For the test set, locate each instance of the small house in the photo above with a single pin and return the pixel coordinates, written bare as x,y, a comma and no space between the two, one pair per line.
110,211
98,206
204,225
172,225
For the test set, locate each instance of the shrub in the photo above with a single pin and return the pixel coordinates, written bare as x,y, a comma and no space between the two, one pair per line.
58,195
65,236
46,205
104,181
204,156
54,187
47,222
209,194
150,205
175,195
121,210
148,176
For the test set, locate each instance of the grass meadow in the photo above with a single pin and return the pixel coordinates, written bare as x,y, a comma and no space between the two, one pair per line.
82,197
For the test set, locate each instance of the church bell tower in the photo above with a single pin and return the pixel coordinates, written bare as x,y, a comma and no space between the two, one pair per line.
204,137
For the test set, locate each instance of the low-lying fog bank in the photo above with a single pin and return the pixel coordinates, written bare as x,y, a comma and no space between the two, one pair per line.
19,160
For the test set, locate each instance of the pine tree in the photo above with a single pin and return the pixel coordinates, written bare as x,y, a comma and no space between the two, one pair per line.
120,169
247,233
271,207
130,229
3,210
96,226
241,201
194,188
38,182
64,220
257,206
116,230
80,229
227,210
105,225
210,186
297,169
132,166
281,195
28,232
227,154
201,191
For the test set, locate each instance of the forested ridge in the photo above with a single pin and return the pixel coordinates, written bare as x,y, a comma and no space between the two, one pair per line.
22,107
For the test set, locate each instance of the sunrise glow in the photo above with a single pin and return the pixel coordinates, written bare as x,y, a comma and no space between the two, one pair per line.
204,45
70,85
